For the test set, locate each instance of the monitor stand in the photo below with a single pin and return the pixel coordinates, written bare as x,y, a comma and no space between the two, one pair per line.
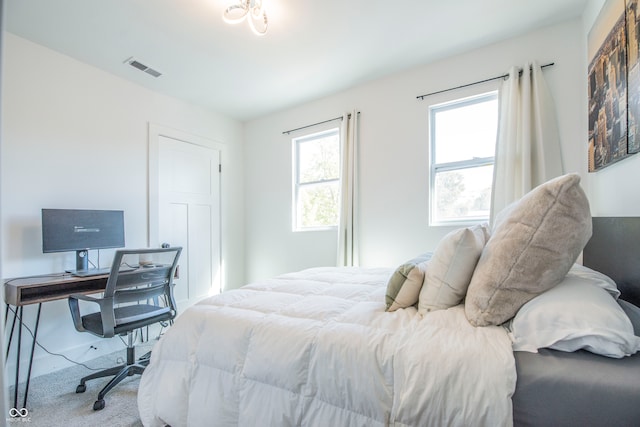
83,270
82,259
82,264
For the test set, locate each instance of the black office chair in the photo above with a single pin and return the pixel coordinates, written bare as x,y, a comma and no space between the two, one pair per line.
139,292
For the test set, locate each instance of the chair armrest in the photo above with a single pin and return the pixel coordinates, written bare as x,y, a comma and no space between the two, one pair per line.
106,313
74,307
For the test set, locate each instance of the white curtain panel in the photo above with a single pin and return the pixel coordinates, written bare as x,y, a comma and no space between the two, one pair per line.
528,147
348,225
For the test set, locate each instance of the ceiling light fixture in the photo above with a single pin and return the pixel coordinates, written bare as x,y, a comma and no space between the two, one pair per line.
252,11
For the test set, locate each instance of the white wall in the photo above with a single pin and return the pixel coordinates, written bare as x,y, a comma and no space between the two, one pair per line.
77,137
394,152
3,380
615,190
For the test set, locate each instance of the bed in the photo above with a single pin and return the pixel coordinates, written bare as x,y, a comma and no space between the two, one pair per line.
327,346
580,388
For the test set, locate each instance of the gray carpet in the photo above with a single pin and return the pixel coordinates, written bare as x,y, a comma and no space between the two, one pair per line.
53,401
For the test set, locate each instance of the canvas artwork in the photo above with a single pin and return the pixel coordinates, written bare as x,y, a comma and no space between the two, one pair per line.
607,46
633,69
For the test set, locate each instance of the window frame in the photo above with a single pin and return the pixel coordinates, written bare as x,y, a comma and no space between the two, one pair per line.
296,227
435,168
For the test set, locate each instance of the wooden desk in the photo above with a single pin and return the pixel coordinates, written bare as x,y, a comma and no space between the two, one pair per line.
21,291
38,289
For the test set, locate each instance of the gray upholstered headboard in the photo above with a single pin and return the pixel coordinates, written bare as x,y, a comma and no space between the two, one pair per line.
614,249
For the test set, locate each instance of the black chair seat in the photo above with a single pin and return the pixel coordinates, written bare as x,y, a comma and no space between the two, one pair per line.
127,318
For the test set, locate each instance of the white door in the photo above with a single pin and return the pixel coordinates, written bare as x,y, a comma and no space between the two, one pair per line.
188,212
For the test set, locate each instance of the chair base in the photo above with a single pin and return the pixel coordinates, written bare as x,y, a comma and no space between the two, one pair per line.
119,373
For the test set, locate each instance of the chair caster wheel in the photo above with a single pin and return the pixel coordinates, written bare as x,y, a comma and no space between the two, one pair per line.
81,388
98,405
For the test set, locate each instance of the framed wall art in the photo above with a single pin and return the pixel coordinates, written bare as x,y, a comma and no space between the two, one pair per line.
633,71
607,80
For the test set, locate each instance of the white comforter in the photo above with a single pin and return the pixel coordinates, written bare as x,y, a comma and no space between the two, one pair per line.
316,348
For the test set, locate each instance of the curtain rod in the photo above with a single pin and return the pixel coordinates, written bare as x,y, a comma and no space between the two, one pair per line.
504,76
316,124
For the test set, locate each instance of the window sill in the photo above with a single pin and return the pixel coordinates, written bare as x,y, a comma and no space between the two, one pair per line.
311,229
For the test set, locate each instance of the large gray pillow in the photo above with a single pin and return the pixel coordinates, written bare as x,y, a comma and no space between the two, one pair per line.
534,243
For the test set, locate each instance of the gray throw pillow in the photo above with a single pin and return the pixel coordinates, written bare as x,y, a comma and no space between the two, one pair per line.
403,287
533,244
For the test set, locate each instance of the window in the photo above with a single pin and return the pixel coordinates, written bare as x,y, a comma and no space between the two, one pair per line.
316,180
463,139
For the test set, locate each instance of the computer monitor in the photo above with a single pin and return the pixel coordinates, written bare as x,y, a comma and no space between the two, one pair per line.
79,230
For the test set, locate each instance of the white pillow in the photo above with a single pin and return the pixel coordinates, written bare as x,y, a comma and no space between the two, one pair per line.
450,268
576,314
595,277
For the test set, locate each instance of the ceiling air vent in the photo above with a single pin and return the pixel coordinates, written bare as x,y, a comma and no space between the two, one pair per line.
140,66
